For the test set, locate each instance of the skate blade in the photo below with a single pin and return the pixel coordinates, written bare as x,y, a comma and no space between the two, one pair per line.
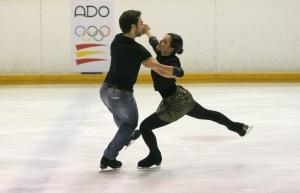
109,169
153,167
250,128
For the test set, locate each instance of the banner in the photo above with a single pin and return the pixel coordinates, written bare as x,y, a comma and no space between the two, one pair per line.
91,35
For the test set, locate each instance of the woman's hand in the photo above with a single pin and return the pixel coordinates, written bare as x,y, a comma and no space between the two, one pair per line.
145,28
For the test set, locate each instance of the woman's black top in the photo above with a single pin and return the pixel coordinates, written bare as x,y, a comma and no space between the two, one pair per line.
165,86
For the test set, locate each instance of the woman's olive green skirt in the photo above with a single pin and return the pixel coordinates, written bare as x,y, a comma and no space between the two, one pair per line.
175,106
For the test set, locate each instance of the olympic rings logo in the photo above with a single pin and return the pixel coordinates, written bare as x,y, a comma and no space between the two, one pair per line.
86,34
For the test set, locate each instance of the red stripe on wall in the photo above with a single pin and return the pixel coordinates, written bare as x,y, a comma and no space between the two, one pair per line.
82,46
86,60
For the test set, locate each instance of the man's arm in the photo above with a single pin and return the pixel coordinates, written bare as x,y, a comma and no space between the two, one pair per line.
163,70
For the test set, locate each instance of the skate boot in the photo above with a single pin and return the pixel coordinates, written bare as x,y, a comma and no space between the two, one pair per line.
134,136
150,160
114,164
244,130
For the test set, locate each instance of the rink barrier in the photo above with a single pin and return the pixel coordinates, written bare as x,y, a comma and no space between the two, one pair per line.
243,77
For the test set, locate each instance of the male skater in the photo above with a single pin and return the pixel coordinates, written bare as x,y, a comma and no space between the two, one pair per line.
117,89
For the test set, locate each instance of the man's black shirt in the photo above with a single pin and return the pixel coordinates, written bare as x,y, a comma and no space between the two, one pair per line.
126,58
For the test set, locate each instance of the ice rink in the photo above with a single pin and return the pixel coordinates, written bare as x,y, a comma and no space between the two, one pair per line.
52,138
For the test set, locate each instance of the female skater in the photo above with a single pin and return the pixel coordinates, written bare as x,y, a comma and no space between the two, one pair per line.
176,100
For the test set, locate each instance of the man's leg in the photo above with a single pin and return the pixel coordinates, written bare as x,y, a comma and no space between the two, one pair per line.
124,109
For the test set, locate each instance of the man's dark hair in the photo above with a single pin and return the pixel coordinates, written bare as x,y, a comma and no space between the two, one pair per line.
128,18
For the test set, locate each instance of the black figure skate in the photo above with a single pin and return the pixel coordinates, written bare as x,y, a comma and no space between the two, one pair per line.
153,159
246,129
113,164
